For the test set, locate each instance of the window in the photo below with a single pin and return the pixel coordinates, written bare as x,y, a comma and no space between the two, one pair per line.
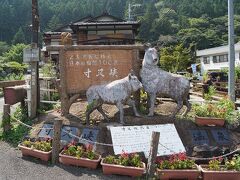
206,60
220,58
225,57
215,59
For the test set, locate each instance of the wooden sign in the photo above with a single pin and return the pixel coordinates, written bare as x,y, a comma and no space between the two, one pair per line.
91,67
137,139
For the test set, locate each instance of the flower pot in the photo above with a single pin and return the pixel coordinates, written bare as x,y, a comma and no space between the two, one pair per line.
83,162
45,156
190,174
209,121
122,170
219,175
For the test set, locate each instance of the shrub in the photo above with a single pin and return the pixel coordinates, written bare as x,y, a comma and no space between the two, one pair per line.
44,145
80,151
125,159
176,161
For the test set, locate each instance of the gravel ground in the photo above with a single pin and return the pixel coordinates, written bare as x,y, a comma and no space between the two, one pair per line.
14,167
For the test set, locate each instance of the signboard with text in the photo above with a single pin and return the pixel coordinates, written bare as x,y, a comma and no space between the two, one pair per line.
30,55
132,139
84,68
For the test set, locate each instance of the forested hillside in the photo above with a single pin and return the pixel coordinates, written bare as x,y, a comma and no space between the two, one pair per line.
179,25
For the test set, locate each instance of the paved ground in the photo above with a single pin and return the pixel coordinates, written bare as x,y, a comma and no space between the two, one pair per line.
14,167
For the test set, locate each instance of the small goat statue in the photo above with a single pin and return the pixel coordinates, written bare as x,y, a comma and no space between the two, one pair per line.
117,92
157,81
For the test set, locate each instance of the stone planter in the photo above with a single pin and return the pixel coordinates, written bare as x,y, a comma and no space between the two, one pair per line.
45,156
83,162
209,121
219,175
122,170
190,174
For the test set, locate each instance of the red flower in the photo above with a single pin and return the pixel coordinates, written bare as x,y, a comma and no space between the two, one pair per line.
182,156
124,154
89,147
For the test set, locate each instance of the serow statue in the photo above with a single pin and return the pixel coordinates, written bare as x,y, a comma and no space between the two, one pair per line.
157,81
117,93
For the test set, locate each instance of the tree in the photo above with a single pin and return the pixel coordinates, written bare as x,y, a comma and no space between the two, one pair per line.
175,58
19,37
54,23
4,47
146,22
15,53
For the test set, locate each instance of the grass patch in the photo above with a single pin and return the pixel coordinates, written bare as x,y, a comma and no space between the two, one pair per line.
18,131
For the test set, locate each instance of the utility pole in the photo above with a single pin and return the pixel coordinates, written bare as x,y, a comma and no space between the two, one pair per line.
129,12
231,53
35,90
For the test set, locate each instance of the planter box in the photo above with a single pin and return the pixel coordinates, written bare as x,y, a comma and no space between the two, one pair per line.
219,175
190,174
83,162
122,170
209,121
45,156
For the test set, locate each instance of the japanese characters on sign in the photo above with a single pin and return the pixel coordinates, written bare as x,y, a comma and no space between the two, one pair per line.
30,55
137,139
91,67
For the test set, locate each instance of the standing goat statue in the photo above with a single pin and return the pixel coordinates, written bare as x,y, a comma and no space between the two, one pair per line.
117,92
157,81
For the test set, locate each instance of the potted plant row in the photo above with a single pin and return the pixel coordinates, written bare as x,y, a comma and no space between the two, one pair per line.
124,164
41,149
230,170
177,166
213,114
79,155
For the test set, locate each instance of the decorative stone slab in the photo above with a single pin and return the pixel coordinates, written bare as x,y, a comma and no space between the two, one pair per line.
221,136
199,137
64,136
69,129
90,134
46,132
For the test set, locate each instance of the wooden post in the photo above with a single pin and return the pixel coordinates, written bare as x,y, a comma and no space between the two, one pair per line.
63,84
152,155
35,90
56,140
6,117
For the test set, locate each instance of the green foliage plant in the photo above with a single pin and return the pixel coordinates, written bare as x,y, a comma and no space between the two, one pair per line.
41,145
214,164
220,109
15,135
143,102
80,151
48,70
15,53
125,159
211,92
233,164
176,161
175,58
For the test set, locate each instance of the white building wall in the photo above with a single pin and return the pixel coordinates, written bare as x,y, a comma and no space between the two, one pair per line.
216,52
